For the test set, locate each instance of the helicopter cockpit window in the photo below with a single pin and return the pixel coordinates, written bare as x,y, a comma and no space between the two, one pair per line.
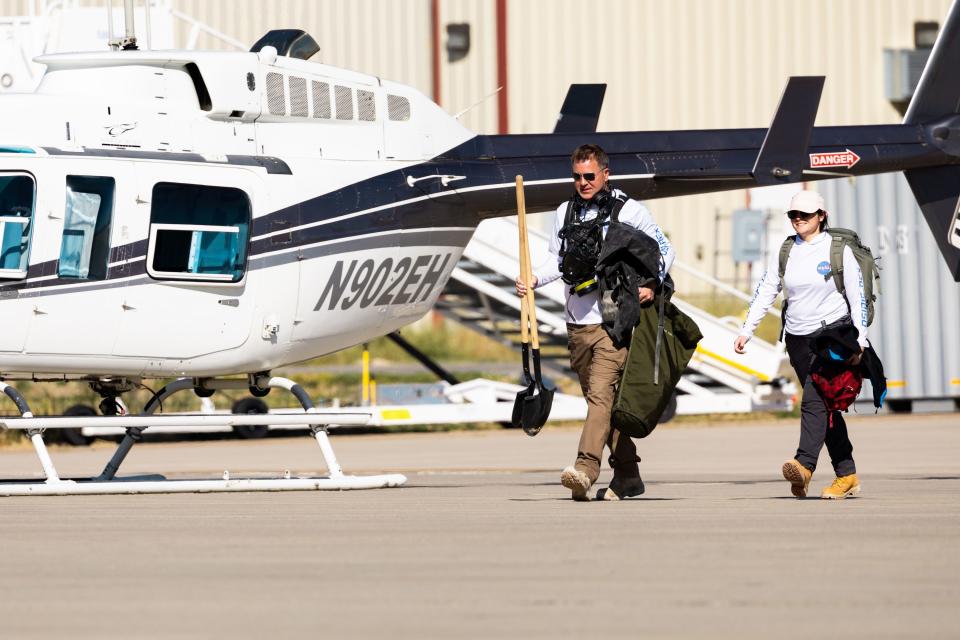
85,248
16,213
198,232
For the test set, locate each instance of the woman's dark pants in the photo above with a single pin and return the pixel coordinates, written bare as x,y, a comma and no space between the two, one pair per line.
814,432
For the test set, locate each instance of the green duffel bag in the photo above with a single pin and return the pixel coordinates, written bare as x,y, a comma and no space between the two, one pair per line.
648,382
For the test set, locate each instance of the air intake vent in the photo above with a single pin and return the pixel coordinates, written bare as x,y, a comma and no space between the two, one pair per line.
321,100
366,105
398,108
344,98
298,97
276,96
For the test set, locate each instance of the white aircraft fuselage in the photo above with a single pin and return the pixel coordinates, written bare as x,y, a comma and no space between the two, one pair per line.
201,214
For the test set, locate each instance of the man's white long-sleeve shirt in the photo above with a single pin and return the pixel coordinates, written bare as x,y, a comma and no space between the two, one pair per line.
586,309
812,297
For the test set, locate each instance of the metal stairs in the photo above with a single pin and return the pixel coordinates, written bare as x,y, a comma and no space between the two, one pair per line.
480,296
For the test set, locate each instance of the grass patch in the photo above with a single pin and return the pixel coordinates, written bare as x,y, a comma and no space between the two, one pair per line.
442,340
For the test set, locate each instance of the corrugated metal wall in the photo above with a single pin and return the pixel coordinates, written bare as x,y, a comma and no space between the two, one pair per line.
705,64
469,83
916,330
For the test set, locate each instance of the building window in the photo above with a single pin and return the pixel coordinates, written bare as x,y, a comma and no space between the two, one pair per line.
85,247
16,214
198,232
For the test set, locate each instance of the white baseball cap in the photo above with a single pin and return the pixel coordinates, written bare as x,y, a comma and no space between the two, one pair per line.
808,202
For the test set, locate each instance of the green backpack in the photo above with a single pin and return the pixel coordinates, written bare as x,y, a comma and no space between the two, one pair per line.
840,238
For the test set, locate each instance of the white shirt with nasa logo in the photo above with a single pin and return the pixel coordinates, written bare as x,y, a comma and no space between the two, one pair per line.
811,295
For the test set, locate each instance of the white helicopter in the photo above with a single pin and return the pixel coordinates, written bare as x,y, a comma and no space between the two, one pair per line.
202,215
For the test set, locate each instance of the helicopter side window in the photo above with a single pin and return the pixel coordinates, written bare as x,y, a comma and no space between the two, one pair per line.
16,214
85,248
198,232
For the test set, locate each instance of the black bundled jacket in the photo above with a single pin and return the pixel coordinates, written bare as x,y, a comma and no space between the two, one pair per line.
840,340
628,260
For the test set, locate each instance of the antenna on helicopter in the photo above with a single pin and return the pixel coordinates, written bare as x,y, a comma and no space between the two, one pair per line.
478,102
129,41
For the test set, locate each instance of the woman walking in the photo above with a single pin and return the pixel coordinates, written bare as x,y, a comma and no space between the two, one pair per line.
813,305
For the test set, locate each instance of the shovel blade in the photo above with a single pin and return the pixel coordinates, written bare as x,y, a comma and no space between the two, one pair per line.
536,411
517,418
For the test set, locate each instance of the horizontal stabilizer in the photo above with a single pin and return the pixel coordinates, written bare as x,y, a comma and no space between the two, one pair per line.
581,109
938,92
937,191
784,152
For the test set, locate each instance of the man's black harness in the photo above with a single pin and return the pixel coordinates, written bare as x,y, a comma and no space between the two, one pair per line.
581,240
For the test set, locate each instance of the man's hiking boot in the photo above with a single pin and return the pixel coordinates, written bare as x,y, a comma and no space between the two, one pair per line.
798,476
621,488
578,483
842,487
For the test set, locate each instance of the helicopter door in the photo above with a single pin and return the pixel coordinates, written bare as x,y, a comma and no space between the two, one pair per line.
194,224
75,308
17,207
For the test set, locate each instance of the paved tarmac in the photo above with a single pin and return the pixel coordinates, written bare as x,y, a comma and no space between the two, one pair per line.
482,542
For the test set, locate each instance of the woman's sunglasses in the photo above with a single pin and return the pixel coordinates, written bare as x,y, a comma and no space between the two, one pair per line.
801,215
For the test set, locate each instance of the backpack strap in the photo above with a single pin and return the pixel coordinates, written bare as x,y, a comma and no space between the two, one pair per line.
784,254
568,216
837,242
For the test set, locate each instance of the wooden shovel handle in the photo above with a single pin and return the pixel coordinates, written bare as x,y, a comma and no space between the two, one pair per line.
525,268
521,226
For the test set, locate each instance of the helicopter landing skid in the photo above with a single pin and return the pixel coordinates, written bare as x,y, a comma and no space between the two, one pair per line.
108,483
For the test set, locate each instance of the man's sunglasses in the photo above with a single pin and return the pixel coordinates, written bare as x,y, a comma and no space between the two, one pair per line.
798,215
589,177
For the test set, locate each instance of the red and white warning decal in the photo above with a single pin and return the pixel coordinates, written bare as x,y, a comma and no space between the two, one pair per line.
845,159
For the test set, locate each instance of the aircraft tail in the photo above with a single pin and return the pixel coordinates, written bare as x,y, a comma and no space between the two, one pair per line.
581,109
937,189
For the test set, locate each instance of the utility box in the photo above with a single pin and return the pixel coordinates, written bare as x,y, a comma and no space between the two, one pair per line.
749,229
901,72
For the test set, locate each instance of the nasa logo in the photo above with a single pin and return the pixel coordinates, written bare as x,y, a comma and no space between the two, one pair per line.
823,268
407,281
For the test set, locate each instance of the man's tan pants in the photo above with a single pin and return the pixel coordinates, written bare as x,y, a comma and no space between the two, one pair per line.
598,364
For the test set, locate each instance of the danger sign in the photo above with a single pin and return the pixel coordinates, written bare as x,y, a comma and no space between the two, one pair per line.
845,159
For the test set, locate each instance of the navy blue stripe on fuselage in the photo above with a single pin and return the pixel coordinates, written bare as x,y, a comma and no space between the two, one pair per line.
135,273
270,163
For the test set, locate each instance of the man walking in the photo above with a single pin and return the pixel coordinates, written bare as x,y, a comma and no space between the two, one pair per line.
597,360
